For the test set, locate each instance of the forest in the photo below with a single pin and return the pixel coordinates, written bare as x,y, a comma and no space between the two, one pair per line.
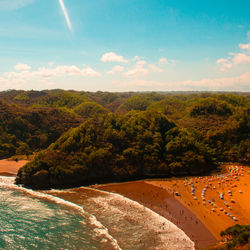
81,138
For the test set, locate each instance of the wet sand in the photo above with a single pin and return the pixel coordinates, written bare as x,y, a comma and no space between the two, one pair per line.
201,220
10,168
162,202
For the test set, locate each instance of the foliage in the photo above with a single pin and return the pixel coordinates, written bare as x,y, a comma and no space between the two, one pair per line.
211,106
23,131
89,109
140,102
123,135
106,147
237,235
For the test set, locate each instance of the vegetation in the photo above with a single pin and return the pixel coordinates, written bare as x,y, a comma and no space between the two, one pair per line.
24,131
121,135
89,109
236,235
107,148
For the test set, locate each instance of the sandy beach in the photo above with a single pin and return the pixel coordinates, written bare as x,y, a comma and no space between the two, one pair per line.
201,206
10,168
224,203
162,202
202,215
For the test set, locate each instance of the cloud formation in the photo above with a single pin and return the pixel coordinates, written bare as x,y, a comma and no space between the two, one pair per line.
225,64
22,67
244,46
116,69
138,70
237,83
240,58
65,13
163,61
155,68
113,57
23,73
235,58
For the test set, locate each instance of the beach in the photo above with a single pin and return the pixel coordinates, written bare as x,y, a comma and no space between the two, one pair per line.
202,215
10,168
164,203
200,206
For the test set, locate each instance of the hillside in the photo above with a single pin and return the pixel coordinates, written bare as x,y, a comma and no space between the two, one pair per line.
118,135
25,130
108,148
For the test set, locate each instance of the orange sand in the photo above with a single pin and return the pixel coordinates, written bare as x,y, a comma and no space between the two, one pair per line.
11,167
196,219
216,220
162,202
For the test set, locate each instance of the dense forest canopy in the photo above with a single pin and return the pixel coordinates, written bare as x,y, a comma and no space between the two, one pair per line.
118,136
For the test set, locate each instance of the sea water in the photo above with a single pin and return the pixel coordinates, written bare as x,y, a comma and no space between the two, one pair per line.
81,218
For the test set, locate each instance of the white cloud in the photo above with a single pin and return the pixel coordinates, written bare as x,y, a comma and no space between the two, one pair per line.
51,72
113,57
240,58
163,61
138,70
142,68
66,70
237,83
116,69
141,63
235,58
22,67
222,60
89,72
66,16
225,64
51,64
240,83
244,46
14,4
155,68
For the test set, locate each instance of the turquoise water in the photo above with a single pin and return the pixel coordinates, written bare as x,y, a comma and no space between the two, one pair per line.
27,222
30,223
81,218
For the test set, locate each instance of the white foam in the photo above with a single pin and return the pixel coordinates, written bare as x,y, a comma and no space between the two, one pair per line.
169,234
8,182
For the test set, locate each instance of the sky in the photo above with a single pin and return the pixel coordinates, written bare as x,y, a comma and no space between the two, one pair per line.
125,45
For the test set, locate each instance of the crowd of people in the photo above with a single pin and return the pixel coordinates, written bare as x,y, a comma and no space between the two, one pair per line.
222,186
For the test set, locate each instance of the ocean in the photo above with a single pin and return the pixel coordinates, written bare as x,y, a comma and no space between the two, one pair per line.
81,218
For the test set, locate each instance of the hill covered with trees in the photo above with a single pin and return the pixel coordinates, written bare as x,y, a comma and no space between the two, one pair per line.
121,136
106,148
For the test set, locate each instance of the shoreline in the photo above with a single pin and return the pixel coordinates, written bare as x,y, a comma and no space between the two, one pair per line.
163,203
202,223
202,215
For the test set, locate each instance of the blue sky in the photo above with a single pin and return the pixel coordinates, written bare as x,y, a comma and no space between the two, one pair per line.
121,45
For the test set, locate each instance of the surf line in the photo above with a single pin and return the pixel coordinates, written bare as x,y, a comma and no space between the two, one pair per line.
8,182
172,228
